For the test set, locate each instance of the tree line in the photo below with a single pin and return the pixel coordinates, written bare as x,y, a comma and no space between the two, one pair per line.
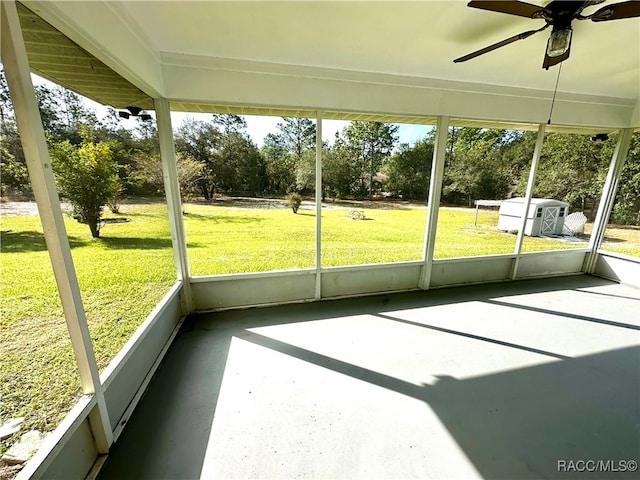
365,160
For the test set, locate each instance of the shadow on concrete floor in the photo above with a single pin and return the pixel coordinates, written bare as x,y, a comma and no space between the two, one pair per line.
517,423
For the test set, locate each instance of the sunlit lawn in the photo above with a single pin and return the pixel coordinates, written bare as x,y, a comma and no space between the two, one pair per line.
622,239
234,240
223,239
125,273
458,236
122,277
386,235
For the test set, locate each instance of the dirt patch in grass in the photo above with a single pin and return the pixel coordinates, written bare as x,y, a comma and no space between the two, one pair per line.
18,208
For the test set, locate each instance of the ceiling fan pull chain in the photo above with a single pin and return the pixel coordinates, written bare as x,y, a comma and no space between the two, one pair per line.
555,90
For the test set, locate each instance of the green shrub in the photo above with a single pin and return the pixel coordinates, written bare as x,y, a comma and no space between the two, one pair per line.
294,200
87,176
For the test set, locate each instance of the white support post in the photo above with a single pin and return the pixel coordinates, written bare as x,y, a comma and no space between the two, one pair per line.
608,196
435,189
318,205
174,204
14,58
527,199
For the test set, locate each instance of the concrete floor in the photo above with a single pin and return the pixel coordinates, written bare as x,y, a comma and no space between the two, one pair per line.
493,381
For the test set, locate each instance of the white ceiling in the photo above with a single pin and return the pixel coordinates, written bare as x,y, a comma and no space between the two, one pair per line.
369,57
402,38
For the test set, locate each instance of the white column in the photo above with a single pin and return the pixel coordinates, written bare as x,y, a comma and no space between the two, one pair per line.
174,204
318,205
433,205
527,199
608,196
14,58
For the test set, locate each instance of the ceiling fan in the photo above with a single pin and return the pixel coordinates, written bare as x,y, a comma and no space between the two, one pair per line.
558,14
134,112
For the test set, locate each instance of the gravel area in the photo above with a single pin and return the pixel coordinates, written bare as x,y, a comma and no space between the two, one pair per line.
24,208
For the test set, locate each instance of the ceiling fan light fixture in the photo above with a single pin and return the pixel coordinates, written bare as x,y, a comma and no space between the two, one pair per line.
559,42
600,137
135,112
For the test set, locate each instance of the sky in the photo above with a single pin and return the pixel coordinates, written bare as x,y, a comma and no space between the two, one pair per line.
257,126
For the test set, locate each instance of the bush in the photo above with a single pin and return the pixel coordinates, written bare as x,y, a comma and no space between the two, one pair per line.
294,200
87,177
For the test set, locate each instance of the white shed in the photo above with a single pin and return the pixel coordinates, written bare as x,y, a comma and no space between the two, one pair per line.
545,217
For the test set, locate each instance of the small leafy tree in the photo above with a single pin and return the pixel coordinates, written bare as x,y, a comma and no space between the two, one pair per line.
190,171
87,177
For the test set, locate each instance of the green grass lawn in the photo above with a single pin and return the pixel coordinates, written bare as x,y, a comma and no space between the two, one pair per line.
228,239
461,238
234,240
122,277
124,274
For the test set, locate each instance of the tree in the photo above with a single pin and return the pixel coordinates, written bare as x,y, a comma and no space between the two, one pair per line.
127,147
516,151
238,161
409,170
279,168
626,210
477,173
475,167
87,177
572,169
298,135
189,173
6,107
64,115
48,107
369,144
13,168
337,172
295,137
200,141
14,176
229,123
71,110
232,162
306,172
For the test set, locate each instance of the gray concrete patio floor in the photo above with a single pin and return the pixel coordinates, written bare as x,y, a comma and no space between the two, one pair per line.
491,381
